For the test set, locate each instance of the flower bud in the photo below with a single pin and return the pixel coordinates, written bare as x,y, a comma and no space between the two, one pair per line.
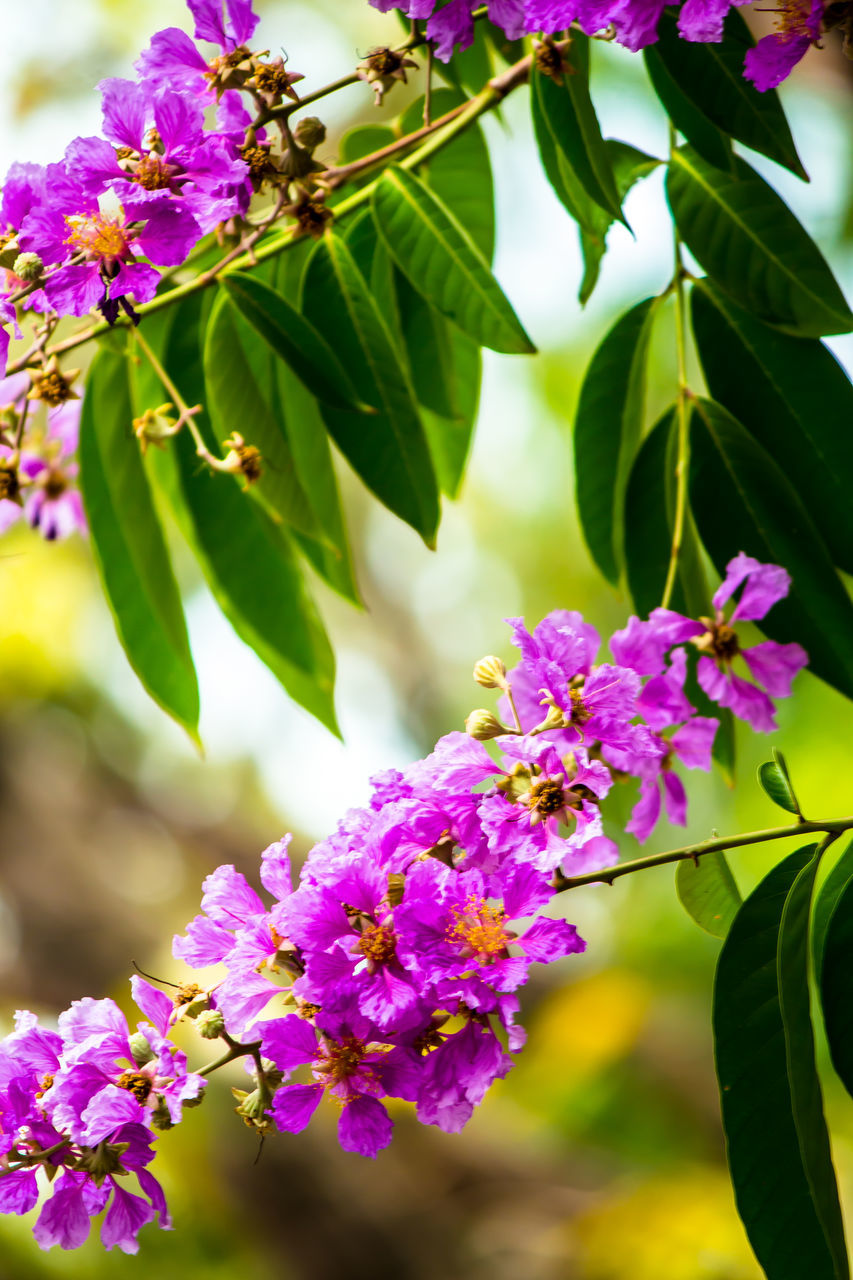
210,1024
490,673
484,725
28,267
310,133
141,1049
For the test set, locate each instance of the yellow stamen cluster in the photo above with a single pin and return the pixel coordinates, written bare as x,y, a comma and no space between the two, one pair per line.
481,930
98,236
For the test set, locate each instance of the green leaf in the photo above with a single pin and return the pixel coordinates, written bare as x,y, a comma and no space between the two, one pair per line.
450,438
629,166
793,396
247,560
710,76
293,340
238,375
743,502
443,263
685,116
461,173
708,892
748,240
778,1147
567,111
834,978
363,140
827,899
128,544
608,426
312,456
776,783
389,449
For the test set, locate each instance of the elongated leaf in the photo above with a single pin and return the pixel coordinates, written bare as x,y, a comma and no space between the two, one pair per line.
778,1147
237,368
753,247
128,544
686,117
834,981
247,560
776,782
629,166
710,76
461,173
388,450
607,431
567,109
312,456
363,140
827,899
293,340
443,263
743,502
708,892
793,396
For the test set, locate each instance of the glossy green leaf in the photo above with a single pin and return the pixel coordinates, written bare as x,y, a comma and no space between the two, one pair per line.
834,983
237,381
388,449
460,174
608,425
363,140
778,1147
793,396
750,243
128,544
630,165
742,501
567,111
826,901
443,263
312,456
708,892
776,783
685,116
247,560
293,340
710,76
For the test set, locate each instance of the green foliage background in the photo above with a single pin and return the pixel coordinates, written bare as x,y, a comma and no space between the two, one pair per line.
601,1156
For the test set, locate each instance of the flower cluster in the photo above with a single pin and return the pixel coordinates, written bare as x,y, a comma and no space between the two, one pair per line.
634,24
38,480
391,968
79,1108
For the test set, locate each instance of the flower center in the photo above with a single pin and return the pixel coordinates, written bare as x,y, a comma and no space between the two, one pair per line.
136,1083
8,482
53,389
341,1059
153,173
719,641
97,236
792,19
377,943
55,483
480,930
580,712
546,796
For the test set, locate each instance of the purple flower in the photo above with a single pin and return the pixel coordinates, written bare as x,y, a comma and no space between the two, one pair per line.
451,26
691,744
772,665
172,58
347,1063
95,252
775,56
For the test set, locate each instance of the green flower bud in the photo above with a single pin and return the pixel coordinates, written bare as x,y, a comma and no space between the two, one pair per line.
210,1024
28,267
141,1049
310,133
484,725
490,673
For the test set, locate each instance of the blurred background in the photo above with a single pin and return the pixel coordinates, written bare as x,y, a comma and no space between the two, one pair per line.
601,1156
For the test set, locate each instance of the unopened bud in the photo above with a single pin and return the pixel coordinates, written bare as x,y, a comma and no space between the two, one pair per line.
210,1024
490,673
28,267
141,1049
484,725
310,133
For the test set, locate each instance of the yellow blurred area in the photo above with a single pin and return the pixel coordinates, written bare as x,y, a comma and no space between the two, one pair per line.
679,1227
